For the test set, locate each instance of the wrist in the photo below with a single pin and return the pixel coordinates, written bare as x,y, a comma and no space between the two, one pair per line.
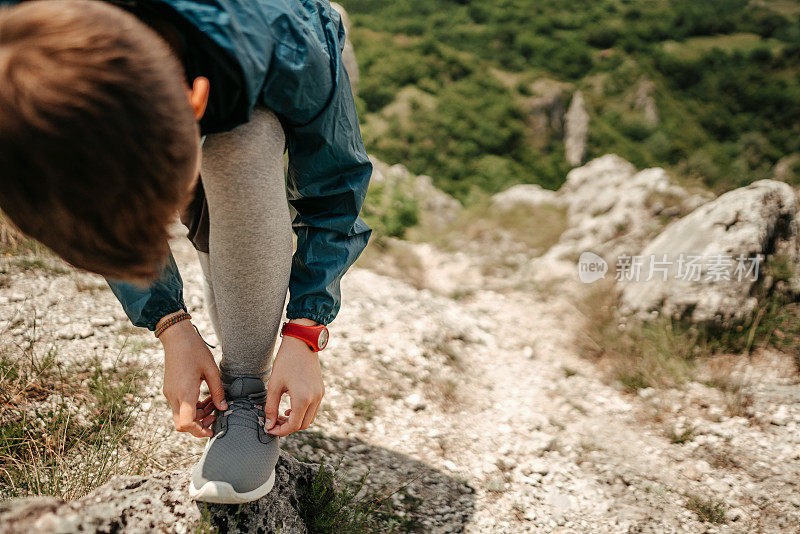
304,321
172,326
291,346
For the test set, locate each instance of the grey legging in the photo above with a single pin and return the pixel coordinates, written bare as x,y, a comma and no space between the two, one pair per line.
246,272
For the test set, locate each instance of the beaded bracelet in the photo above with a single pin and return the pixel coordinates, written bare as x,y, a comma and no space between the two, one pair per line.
178,317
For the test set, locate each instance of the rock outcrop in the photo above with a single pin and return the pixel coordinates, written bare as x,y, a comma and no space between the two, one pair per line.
613,209
723,235
161,503
436,208
644,103
545,109
576,130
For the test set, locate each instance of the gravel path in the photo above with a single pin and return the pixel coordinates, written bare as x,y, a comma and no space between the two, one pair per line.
481,410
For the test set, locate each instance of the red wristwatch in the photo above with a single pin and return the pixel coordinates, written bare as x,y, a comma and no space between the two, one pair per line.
316,337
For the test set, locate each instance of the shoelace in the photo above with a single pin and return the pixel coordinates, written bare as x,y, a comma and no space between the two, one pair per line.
253,403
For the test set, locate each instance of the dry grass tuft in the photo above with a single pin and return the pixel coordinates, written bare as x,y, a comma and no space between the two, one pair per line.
636,355
531,229
13,242
64,426
707,510
664,352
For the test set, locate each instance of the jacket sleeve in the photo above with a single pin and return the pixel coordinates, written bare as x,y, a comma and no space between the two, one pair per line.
329,171
145,306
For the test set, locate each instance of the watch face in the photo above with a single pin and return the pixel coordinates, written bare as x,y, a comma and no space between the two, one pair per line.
323,339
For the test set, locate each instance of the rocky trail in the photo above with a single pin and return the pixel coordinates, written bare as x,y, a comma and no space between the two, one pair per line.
546,444
476,409
483,412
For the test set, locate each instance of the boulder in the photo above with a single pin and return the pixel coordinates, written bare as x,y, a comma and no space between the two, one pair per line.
437,209
531,195
759,219
612,209
161,503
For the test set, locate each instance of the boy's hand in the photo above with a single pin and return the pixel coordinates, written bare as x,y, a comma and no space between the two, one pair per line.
187,362
296,371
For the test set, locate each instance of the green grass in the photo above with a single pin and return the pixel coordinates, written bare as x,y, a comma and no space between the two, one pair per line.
64,426
335,507
696,47
533,229
50,266
364,408
13,242
25,253
665,352
390,208
785,7
707,510
453,97
205,526
683,436
647,355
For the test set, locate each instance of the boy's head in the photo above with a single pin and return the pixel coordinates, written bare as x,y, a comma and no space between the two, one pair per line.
99,144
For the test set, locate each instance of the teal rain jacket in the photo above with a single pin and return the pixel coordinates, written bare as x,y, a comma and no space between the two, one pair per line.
286,55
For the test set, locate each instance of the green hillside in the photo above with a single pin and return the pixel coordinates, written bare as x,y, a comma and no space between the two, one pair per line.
447,86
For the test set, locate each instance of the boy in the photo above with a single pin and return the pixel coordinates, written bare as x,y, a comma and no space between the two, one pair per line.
102,109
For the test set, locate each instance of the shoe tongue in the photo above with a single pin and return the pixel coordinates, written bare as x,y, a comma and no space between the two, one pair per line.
242,387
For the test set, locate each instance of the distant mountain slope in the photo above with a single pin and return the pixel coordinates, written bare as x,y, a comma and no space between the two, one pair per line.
709,90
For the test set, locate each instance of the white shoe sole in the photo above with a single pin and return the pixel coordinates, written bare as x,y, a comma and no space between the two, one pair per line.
222,492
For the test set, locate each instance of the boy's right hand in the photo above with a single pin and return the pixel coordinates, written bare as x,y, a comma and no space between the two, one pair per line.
188,362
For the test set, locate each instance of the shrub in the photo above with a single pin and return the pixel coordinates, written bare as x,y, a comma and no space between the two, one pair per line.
390,208
715,81
603,36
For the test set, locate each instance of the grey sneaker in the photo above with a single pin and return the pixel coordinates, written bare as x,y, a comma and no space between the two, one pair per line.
238,463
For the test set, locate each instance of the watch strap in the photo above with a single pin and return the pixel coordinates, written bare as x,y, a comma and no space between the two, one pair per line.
316,336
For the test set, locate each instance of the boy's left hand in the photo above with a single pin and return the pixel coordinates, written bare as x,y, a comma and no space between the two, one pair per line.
296,371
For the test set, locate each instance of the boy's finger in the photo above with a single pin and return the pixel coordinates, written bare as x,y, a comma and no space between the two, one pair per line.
203,403
202,413
309,418
186,422
176,415
316,412
292,424
214,382
271,406
199,431
206,422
